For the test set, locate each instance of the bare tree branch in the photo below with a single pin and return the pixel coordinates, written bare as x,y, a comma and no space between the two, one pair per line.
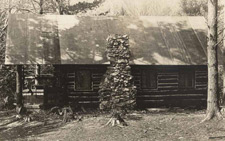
24,9
32,2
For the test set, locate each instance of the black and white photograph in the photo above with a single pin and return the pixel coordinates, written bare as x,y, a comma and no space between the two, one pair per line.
112,70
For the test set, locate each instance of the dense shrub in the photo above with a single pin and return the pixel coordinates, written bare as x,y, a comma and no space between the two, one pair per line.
7,84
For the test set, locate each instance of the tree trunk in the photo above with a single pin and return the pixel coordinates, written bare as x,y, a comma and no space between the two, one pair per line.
212,101
19,95
223,53
37,73
223,75
38,67
60,7
41,7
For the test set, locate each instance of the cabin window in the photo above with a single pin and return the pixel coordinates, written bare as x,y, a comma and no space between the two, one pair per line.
83,80
186,79
149,79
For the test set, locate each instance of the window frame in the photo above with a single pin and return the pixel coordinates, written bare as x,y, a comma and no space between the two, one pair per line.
155,74
75,81
192,72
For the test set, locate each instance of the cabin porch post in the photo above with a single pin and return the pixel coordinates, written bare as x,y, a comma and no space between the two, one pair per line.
19,85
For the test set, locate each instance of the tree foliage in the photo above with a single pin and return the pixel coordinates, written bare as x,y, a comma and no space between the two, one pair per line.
193,7
81,7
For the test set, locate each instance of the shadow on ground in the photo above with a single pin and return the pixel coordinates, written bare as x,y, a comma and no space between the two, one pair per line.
11,128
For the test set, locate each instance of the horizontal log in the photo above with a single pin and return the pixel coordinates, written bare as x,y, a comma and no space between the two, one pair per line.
168,87
94,74
167,73
201,85
32,94
33,100
96,82
33,90
205,85
171,101
95,88
181,103
167,81
70,87
97,77
32,106
172,95
172,98
168,77
83,99
172,92
29,77
70,83
95,85
88,102
201,74
201,88
83,93
203,78
203,71
150,101
199,82
84,96
167,84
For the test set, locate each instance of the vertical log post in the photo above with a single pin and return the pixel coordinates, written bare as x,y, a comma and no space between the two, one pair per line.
19,96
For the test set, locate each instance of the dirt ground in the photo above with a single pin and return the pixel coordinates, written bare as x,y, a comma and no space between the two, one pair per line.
154,124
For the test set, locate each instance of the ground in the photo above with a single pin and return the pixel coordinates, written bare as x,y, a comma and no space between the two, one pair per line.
154,124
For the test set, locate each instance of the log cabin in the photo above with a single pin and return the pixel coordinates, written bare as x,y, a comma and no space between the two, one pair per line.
169,56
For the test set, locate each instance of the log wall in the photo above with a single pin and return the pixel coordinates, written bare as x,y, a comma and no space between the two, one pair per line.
84,97
168,93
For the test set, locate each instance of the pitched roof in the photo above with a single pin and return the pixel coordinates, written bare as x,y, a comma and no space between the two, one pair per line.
64,39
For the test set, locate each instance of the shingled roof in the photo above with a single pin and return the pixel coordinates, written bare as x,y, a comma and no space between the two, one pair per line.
64,39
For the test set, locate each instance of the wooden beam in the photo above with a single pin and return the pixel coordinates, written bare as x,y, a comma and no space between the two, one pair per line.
19,85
